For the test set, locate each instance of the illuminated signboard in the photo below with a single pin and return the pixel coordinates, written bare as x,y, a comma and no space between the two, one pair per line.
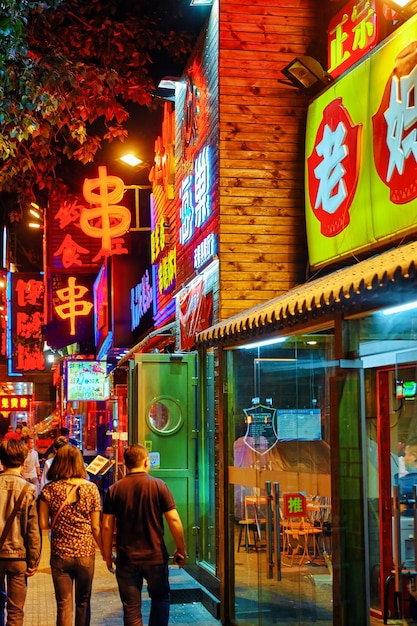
196,210
361,156
86,380
73,302
195,197
101,306
15,403
80,236
26,318
351,33
107,221
140,300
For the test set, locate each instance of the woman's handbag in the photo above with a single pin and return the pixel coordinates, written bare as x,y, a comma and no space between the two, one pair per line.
13,515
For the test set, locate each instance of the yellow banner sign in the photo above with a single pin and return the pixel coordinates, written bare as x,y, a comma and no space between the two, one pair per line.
361,154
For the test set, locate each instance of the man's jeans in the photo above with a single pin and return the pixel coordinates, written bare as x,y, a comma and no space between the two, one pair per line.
12,595
65,572
130,581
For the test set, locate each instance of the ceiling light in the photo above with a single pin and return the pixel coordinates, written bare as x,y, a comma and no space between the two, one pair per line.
260,344
400,308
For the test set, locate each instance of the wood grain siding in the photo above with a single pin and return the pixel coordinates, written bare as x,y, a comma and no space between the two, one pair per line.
262,242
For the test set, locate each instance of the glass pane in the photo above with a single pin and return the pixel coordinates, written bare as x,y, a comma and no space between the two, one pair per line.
278,412
206,471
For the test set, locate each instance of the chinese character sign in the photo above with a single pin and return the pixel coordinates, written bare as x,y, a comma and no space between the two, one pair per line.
15,403
361,154
107,221
351,33
295,505
73,303
333,168
195,197
68,248
25,348
163,172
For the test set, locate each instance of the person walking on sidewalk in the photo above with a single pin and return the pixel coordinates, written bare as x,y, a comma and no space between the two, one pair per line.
20,541
31,470
73,505
138,503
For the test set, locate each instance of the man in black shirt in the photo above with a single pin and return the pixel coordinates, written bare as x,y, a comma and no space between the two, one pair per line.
138,503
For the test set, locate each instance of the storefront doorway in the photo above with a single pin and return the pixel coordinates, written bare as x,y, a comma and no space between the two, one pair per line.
163,418
280,506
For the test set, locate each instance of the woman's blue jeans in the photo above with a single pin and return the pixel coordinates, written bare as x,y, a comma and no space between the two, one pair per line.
67,573
130,580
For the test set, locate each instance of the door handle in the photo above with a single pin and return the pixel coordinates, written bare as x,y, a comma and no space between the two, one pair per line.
269,530
277,528
273,529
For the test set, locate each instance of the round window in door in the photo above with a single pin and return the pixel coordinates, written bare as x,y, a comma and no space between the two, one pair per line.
164,416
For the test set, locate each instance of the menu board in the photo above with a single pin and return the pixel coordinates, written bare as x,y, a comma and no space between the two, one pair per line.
298,424
86,380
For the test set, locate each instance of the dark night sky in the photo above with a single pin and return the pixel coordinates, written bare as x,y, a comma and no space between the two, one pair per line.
144,126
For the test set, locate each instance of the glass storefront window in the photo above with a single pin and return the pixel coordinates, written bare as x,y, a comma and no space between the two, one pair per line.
386,343
278,415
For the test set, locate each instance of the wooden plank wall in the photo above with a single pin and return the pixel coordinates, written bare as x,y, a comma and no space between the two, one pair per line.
262,243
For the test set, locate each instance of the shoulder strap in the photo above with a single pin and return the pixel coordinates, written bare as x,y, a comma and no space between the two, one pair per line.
63,503
13,514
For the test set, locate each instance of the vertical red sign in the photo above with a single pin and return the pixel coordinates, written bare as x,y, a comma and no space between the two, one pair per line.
25,348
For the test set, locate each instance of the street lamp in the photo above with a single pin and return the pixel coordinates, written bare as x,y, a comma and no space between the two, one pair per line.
131,159
137,163
36,212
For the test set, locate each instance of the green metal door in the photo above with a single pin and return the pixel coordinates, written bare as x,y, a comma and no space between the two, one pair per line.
164,420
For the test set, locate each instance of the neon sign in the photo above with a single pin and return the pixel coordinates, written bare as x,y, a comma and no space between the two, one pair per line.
108,220
195,197
205,251
167,271
15,403
158,240
140,300
25,345
73,304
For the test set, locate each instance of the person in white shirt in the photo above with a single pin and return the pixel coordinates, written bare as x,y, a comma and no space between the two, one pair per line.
58,443
31,470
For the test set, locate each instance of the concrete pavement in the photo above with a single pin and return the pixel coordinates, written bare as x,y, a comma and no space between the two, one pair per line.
106,608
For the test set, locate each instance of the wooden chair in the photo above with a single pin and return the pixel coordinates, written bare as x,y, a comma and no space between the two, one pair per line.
253,522
298,533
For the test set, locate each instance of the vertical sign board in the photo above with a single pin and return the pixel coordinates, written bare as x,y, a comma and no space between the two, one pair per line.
197,219
361,156
3,313
26,318
163,209
184,225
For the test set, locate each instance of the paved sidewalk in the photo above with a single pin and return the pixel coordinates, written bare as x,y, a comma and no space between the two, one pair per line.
106,608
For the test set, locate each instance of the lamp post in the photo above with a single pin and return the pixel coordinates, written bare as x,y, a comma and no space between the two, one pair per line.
138,164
